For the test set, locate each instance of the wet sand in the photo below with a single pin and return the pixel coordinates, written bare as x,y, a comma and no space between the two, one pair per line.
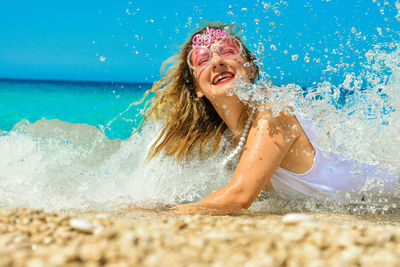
148,238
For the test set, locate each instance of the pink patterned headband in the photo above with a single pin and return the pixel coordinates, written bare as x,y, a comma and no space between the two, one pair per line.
207,38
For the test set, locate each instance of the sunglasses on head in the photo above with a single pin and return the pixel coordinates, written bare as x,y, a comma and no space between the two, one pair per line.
200,56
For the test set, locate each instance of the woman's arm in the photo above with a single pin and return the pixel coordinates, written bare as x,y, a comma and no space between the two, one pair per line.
268,142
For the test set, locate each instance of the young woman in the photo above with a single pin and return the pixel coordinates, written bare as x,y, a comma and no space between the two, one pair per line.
192,102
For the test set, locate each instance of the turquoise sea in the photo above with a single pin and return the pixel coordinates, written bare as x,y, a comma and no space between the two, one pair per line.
92,103
66,145
69,145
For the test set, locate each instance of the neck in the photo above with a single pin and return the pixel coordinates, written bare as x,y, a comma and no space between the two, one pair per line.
229,109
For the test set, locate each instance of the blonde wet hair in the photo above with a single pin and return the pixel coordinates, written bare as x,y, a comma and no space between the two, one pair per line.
188,121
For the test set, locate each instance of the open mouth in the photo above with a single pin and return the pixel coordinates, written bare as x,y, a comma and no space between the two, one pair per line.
223,77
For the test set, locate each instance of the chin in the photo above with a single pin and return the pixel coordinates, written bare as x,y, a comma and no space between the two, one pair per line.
222,89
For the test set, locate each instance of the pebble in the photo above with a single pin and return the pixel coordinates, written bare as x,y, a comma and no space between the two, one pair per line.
296,218
295,239
82,225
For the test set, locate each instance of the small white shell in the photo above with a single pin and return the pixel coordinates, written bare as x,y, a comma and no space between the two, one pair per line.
81,225
296,218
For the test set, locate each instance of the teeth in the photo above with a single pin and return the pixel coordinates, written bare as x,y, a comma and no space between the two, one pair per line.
225,75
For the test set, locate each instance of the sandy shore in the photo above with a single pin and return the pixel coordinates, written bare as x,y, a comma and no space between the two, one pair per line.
36,238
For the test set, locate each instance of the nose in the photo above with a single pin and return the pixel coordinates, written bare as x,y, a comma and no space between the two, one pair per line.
217,61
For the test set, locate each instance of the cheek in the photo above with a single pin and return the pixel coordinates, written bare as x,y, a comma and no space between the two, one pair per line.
201,77
241,69
200,81
240,62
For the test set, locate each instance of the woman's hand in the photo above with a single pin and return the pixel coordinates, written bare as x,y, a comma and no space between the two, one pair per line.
205,209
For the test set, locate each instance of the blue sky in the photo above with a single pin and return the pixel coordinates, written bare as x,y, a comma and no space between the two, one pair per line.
128,40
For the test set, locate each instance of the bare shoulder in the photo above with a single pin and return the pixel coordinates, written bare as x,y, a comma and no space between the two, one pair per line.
284,123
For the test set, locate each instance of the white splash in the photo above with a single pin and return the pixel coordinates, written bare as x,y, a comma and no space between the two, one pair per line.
358,119
58,165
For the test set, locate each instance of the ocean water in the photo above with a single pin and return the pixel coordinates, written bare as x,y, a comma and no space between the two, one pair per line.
92,103
66,146
69,145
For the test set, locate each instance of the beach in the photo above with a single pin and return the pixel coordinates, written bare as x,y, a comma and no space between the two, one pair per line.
31,237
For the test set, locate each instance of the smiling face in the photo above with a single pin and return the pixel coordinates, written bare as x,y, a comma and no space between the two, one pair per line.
214,76
217,59
214,67
214,80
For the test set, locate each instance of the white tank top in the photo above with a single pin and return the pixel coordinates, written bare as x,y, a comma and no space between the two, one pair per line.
343,181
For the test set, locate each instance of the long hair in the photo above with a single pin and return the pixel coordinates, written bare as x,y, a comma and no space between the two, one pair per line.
188,121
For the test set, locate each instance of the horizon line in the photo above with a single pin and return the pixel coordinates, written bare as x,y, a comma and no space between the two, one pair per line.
69,81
